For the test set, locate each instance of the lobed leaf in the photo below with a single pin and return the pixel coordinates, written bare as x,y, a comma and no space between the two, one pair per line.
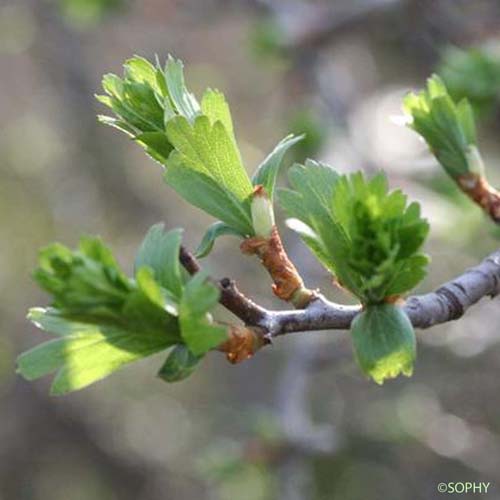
267,172
104,320
196,143
384,234
311,203
184,102
87,352
160,251
208,149
216,108
213,232
360,231
204,192
199,334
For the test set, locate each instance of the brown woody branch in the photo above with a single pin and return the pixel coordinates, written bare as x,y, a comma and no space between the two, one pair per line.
243,341
231,298
287,282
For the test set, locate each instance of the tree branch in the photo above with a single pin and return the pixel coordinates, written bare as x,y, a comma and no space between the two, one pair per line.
231,298
287,282
478,189
449,302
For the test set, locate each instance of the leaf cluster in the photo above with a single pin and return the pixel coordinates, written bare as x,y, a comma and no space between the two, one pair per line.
368,237
447,127
195,142
103,319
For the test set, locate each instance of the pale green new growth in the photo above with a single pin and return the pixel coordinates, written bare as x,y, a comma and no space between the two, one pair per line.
448,128
267,171
370,238
195,143
365,235
104,320
384,342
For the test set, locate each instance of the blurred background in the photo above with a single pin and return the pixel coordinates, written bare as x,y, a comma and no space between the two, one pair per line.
298,421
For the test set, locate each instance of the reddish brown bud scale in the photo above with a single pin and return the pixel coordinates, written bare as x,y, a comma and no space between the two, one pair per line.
479,190
243,343
259,190
288,284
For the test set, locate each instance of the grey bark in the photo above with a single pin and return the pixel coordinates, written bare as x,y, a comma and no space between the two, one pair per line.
449,302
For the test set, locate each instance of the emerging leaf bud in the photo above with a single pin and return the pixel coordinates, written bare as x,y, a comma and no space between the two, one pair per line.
262,213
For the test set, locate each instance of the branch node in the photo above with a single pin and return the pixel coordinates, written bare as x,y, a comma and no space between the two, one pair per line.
453,304
243,343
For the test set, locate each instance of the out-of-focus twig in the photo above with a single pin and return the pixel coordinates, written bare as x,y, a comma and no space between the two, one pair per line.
310,26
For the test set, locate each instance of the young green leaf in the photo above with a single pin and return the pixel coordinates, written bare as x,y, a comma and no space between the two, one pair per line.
212,233
179,365
145,99
51,320
384,342
365,235
215,106
86,282
86,352
204,192
184,102
384,234
199,334
195,143
140,70
310,202
160,251
267,172
155,144
208,149
94,356
104,320
448,128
